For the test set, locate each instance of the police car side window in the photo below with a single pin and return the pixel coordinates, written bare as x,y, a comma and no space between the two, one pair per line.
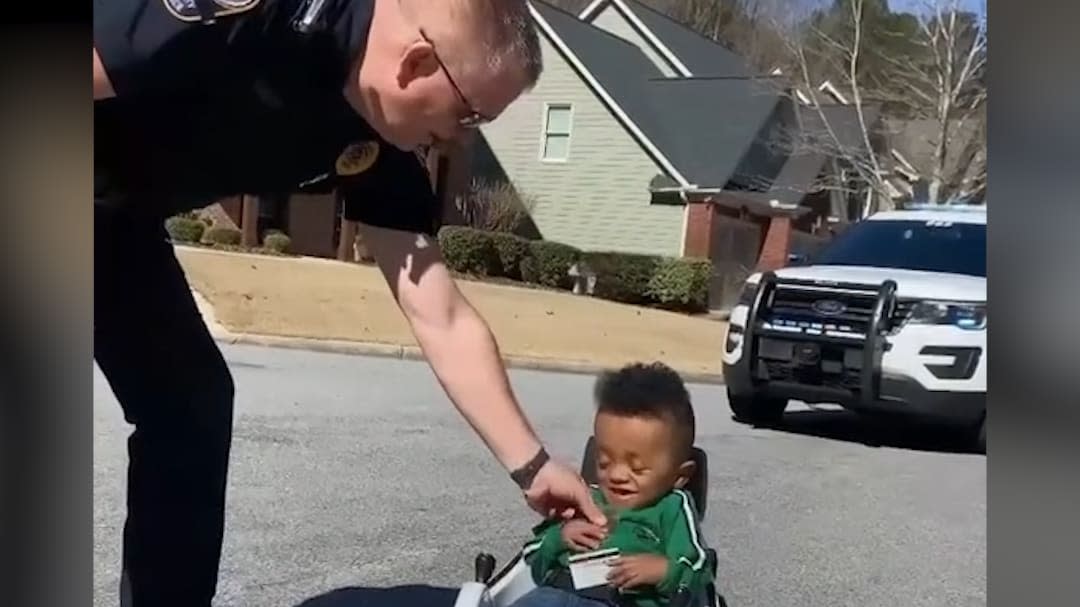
149,46
384,187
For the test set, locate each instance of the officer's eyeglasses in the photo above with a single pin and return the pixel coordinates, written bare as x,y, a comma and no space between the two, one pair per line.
473,118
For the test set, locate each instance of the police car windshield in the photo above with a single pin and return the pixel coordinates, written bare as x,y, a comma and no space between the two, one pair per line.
955,248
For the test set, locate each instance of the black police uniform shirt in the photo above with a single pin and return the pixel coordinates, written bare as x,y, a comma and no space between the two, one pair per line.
223,97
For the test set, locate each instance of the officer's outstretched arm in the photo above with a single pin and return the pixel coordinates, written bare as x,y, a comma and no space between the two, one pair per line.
456,341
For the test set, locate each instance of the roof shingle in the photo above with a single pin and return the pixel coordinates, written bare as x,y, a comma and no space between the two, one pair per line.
702,125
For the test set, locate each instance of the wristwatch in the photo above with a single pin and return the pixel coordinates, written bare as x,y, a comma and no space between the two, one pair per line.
524,475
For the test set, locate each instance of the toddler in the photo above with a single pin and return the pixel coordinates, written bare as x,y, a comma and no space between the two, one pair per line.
644,433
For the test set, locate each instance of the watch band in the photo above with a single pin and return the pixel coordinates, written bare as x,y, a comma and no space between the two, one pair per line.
524,475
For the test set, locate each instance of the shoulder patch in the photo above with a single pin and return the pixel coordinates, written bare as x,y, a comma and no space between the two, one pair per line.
207,11
357,158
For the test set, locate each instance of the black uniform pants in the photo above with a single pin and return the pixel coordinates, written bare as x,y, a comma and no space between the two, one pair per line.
175,389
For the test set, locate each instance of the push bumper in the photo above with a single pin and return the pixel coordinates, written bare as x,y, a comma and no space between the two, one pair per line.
769,364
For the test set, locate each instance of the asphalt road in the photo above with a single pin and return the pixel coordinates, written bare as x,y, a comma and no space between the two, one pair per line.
352,475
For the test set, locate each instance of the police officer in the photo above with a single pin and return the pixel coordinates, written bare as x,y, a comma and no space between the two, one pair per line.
196,100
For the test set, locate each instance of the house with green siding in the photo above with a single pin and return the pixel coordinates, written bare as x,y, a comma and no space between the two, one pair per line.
643,136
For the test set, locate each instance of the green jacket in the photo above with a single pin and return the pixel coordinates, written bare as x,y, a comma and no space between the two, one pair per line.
668,527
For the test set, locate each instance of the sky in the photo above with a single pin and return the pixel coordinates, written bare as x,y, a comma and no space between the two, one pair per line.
977,6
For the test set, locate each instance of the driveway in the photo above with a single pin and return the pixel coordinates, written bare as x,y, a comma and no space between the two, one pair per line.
351,475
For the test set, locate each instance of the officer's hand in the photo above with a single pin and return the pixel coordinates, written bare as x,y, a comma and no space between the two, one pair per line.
559,492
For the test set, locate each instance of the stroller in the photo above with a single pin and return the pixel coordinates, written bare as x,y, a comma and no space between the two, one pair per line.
491,589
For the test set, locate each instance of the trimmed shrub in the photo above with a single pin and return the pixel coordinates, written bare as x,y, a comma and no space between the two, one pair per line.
185,229
278,242
510,250
622,277
530,270
223,236
553,261
680,283
667,282
469,251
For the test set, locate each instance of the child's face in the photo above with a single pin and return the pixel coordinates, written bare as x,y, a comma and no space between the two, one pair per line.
636,464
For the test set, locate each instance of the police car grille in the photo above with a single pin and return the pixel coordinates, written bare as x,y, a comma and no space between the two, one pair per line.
793,307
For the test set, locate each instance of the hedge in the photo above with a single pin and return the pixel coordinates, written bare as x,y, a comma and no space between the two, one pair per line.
225,236
633,278
668,282
278,242
469,251
622,277
552,263
680,283
510,251
185,229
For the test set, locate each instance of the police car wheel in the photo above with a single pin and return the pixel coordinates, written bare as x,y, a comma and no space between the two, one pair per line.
757,409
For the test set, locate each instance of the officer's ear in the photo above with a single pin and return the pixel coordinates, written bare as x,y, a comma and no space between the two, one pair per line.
418,60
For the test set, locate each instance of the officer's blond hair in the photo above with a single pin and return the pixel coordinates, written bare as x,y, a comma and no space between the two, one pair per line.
504,30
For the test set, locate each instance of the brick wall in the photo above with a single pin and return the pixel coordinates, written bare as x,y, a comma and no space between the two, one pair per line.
699,229
312,223
701,221
776,244
226,212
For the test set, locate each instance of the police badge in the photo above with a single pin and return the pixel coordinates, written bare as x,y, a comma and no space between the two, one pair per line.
357,158
207,11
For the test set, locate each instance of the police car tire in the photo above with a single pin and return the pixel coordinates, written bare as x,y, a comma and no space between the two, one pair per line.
757,409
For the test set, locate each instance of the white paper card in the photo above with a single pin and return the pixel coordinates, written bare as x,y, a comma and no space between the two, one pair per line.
590,569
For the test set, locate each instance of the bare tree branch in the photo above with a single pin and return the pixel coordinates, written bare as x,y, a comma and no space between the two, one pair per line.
940,79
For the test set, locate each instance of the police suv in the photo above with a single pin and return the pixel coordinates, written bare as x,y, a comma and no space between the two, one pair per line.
889,317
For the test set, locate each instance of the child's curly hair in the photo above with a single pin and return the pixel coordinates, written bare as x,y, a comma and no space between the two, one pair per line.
651,390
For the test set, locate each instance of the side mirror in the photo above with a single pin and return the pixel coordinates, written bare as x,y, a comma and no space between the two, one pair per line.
796,259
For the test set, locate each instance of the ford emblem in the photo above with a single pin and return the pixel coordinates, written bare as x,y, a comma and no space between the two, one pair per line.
829,307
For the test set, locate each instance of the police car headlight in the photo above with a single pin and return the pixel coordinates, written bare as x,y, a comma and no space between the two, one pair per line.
746,297
965,315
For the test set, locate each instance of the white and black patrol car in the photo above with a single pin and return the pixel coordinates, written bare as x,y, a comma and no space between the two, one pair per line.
889,317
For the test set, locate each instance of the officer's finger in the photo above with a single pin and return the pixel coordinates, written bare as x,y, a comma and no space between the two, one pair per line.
596,533
588,507
589,541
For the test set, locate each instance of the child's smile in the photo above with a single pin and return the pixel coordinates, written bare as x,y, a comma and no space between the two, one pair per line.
635,464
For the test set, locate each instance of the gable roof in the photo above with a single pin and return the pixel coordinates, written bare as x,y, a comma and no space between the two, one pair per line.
807,160
697,145
564,32
688,52
715,124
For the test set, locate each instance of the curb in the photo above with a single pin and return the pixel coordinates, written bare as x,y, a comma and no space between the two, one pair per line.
400,352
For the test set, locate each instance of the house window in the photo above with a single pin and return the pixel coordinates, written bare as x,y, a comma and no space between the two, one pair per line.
556,144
